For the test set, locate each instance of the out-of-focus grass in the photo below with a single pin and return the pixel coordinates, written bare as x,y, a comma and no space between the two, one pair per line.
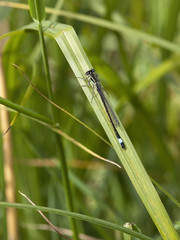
149,113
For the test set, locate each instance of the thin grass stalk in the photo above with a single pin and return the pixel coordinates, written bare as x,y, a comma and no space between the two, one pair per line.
59,144
58,139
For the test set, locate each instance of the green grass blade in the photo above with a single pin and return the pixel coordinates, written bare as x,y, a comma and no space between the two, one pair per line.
37,10
166,193
25,111
118,27
156,74
77,216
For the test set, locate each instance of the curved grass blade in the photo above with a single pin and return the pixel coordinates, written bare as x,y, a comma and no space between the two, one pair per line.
78,216
127,31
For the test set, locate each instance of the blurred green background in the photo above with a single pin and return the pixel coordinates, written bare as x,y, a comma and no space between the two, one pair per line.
142,81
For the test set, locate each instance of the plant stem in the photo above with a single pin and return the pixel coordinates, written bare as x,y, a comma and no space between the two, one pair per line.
59,144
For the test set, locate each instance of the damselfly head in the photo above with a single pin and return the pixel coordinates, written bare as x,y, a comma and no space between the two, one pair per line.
90,72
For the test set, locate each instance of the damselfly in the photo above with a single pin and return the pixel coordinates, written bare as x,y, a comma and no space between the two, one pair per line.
92,76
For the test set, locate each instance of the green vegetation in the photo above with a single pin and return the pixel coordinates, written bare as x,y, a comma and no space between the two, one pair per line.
49,155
